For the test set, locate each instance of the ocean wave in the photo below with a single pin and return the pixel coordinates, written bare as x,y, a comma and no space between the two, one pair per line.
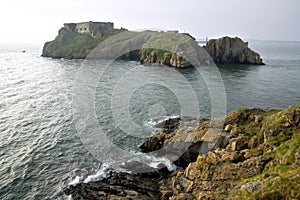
152,124
151,162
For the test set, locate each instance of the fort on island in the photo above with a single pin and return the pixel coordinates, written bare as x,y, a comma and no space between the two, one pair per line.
94,28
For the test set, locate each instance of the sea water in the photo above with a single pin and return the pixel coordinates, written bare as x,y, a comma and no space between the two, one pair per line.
41,147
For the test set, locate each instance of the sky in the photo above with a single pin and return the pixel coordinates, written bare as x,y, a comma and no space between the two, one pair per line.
38,21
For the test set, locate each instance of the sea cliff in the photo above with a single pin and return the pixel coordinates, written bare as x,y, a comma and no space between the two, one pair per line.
257,156
161,48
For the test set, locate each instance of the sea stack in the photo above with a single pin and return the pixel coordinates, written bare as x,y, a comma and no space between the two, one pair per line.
227,50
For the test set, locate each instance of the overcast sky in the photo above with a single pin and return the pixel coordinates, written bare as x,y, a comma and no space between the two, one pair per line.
37,21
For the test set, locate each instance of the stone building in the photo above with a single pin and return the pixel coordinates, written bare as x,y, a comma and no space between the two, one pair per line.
172,31
94,28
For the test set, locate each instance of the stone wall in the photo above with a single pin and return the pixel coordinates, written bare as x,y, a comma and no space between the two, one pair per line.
94,28
70,26
83,27
99,27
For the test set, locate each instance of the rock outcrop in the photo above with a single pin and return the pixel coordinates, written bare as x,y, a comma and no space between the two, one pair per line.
161,57
257,156
227,50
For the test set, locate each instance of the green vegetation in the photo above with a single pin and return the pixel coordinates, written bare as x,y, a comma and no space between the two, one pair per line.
280,178
154,47
74,45
165,41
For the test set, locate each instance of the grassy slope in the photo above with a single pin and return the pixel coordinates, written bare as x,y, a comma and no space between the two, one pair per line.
75,45
281,176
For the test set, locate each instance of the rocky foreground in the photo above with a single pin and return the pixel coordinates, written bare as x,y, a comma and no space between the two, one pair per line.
256,156
149,47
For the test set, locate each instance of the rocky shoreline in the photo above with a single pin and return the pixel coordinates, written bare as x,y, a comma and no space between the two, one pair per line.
256,156
161,48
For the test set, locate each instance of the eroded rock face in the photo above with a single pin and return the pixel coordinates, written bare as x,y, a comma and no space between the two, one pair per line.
228,50
163,58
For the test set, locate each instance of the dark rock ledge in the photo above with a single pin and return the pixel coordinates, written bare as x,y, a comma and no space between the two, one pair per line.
119,186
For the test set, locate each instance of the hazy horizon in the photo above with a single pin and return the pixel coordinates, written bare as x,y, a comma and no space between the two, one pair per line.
35,22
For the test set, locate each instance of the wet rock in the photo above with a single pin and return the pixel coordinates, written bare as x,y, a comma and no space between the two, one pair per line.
156,141
170,124
178,140
137,167
118,186
152,144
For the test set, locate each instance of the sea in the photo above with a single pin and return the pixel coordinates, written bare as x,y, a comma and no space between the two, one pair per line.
68,121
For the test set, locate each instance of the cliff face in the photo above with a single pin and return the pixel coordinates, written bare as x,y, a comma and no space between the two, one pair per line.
257,156
156,50
161,57
228,50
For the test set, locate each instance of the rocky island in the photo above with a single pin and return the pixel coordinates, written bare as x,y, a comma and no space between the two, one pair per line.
78,40
257,156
